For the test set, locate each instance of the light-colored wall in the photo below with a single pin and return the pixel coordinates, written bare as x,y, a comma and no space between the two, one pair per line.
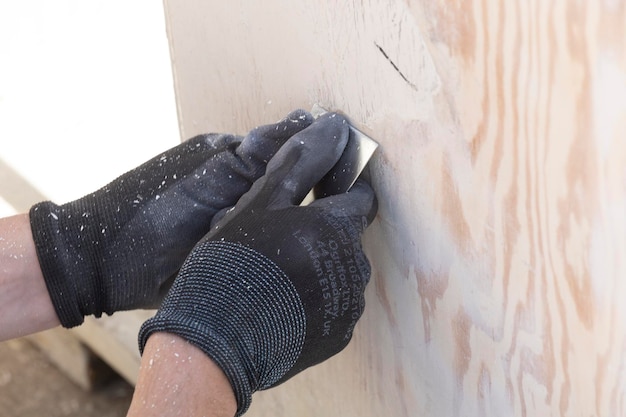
86,93
500,247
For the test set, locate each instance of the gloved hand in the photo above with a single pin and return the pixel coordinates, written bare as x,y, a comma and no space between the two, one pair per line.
117,248
275,287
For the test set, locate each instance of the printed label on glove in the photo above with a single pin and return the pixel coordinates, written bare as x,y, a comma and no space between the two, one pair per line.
339,278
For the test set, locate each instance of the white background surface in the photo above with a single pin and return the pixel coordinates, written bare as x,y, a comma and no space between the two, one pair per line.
86,91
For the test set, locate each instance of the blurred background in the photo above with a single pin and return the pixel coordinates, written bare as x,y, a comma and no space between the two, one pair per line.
86,93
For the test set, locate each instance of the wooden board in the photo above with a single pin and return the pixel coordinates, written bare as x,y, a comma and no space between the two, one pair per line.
114,340
499,249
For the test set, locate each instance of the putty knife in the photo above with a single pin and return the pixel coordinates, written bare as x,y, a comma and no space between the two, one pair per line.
355,157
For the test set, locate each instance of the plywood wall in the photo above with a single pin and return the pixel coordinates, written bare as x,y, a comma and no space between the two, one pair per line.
499,251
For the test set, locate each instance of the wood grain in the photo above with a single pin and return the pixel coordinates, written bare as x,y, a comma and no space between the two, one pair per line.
500,245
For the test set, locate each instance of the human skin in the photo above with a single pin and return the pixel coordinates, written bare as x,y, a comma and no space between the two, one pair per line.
175,377
25,306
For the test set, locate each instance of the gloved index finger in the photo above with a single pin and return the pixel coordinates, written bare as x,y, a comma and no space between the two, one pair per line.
264,141
304,160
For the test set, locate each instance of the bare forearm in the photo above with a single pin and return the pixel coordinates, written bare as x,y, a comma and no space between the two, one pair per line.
176,378
25,306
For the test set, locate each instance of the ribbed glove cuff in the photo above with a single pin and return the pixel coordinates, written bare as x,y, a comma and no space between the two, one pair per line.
239,308
53,253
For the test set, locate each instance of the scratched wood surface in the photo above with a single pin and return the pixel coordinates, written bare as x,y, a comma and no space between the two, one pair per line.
499,251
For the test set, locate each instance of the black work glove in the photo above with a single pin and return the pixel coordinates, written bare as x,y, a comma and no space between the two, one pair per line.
116,249
275,287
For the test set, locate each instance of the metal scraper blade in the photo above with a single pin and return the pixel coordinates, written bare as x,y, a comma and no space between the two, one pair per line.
352,162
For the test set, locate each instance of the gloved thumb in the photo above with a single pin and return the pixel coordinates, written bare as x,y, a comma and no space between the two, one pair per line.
302,162
297,166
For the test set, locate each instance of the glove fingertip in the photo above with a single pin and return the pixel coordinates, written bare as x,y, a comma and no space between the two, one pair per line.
291,124
300,117
264,141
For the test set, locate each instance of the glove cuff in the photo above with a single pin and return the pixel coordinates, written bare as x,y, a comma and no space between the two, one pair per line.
241,310
51,253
